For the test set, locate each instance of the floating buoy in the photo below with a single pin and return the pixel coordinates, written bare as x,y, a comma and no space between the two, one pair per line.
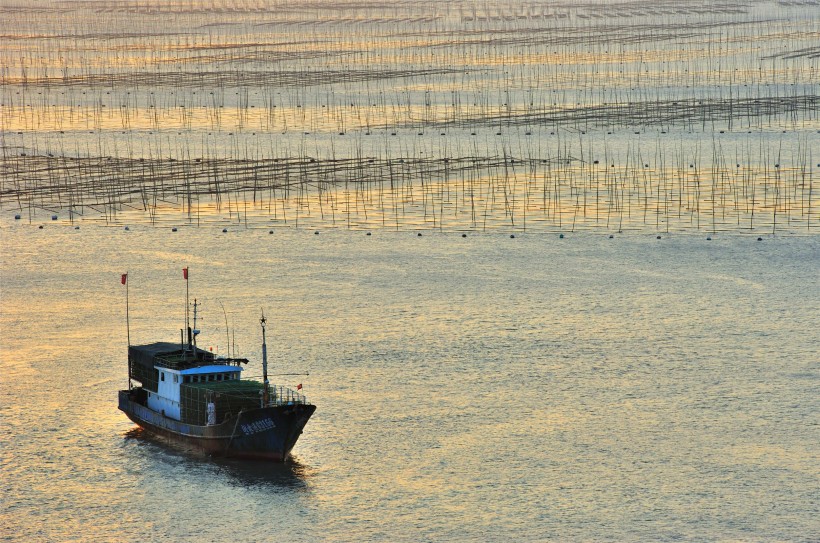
611,236
76,228
41,227
463,235
561,236
512,236
270,231
224,230
127,228
54,217
419,234
17,217
758,239
368,233
708,238
316,233
174,229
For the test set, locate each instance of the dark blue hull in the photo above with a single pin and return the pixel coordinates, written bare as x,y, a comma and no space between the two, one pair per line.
265,433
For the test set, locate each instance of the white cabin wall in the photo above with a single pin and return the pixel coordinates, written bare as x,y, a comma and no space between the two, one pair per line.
167,396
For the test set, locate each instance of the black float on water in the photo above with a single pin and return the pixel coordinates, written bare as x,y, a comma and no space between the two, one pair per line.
224,230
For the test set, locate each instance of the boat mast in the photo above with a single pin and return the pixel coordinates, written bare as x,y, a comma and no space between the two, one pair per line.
262,321
187,309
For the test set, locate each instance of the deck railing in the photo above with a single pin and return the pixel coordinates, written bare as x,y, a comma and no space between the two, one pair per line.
279,395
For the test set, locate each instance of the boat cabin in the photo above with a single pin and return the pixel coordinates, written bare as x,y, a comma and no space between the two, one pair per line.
167,370
167,398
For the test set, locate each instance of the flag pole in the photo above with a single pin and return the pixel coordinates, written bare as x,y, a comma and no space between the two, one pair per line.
127,312
124,281
265,392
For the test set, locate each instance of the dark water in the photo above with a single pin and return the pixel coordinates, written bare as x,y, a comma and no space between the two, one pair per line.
480,388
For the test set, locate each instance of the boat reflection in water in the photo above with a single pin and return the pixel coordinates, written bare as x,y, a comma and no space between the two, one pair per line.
291,474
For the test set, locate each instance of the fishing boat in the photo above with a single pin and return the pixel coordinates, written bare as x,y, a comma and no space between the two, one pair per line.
194,397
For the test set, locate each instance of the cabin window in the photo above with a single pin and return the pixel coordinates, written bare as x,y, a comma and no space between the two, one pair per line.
176,378
187,379
162,376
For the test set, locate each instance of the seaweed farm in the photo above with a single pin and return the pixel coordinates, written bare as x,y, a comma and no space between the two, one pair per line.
661,116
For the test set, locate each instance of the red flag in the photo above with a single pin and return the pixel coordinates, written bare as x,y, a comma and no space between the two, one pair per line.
299,386
124,277
185,273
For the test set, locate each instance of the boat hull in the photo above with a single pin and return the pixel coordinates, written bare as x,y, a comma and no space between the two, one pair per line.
265,433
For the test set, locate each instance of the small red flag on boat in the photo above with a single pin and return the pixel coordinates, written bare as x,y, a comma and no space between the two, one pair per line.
185,273
124,277
299,386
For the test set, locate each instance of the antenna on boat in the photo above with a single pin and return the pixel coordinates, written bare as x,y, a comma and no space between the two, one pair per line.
196,331
263,321
227,330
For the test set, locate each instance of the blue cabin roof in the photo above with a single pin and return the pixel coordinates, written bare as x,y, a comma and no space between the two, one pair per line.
210,369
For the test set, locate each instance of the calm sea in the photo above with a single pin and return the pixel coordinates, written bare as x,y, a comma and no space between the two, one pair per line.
468,389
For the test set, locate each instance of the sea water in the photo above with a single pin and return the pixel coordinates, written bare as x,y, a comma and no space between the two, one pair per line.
607,385
479,388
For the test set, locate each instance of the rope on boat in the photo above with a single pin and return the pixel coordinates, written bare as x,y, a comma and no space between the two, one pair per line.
233,432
